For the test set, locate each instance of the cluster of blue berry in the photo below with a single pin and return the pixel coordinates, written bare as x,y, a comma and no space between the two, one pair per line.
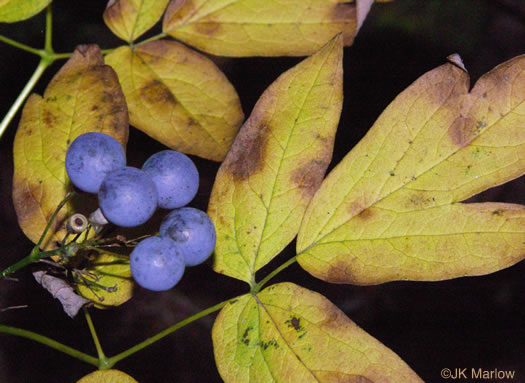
127,196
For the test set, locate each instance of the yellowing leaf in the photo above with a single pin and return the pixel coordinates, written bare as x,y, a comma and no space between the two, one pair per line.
17,10
107,281
276,163
129,19
290,334
390,209
107,376
83,96
178,97
260,27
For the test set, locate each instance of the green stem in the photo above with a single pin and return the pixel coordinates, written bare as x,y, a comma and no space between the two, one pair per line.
66,199
48,45
60,56
31,258
153,38
114,359
260,285
21,46
36,254
51,343
101,357
23,95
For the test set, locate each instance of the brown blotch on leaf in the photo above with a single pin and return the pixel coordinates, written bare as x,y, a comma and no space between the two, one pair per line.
208,29
116,109
463,130
360,209
337,273
294,323
246,156
24,199
154,51
48,118
365,214
113,11
177,12
83,56
156,92
245,338
309,177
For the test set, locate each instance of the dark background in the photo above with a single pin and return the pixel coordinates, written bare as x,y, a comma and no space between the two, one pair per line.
476,322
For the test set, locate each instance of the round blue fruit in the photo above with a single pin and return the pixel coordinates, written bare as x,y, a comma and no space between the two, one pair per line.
176,178
90,157
127,197
193,232
157,263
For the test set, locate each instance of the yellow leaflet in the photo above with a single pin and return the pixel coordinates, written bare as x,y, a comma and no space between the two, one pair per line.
83,96
178,97
436,144
106,271
129,19
443,242
276,163
12,11
260,27
287,333
107,376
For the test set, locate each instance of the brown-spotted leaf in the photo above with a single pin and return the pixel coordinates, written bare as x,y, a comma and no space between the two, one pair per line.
107,376
276,163
287,333
83,96
178,97
106,281
12,11
262,27
390,210
129,19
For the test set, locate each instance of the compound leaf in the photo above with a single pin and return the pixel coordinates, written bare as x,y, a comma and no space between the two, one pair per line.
262,27
287,333
84,96
178,97
106,281
276,163
107,376
12,11
390,210
129,19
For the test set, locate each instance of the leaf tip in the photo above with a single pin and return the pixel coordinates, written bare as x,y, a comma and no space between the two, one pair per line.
455,59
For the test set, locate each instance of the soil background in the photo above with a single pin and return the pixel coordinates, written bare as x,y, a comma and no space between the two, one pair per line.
476,322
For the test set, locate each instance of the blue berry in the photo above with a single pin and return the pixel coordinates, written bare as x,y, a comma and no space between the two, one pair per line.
157,263
90,157
127,197
176,178
193,232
